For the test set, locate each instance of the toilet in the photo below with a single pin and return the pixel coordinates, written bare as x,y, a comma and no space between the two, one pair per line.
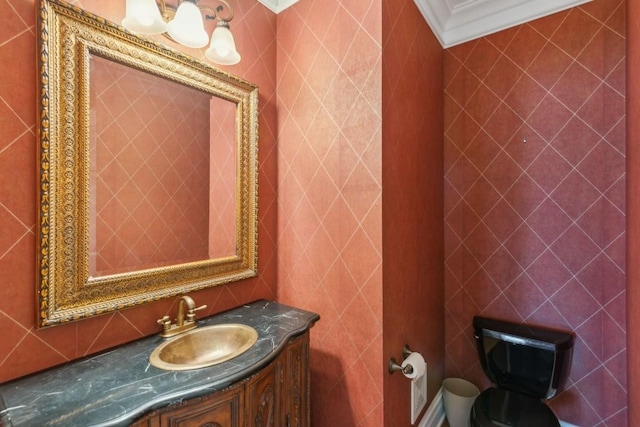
526,364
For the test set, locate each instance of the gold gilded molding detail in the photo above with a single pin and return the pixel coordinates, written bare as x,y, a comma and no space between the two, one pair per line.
67,36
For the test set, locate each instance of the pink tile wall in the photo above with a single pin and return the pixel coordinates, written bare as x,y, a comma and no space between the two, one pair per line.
535,196
329,199
412,195
633,210
24,349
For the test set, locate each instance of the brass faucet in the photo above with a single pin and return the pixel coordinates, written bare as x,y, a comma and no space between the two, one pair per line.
183,323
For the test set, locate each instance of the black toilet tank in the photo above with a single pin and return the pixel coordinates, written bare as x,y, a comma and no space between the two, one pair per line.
527,359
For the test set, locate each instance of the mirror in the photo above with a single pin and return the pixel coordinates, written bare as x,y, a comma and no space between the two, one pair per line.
148,169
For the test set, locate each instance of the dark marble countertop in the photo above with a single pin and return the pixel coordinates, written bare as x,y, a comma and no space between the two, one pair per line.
116,387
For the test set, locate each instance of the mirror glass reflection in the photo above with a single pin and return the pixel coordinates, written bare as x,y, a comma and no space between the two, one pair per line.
162,172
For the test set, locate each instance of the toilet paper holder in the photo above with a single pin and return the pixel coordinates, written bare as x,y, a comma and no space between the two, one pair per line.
394,366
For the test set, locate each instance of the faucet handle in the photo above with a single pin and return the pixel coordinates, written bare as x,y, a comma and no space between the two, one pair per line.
165,321
191,314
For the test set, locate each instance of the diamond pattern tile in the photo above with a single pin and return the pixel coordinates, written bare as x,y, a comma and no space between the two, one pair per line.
575,194
482,59
549,221
550,65
502,172
524,295
549,169
603,120
524,146
599,48
552,204
502,220
484,291
524,196
525,96
575,86
503,124
483,150
548,273
603,223
525,46
575,32
481,104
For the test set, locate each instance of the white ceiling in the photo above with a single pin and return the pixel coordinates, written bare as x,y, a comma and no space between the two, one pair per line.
278,6
458,21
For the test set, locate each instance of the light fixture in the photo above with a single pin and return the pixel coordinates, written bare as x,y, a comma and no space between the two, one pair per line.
185,25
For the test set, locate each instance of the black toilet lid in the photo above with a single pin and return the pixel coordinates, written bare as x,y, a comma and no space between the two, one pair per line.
500,408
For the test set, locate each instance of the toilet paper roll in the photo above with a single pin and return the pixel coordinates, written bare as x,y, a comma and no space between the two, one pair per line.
416,360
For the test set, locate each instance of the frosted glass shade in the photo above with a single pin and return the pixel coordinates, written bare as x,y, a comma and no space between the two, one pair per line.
143,17
222,49
187,27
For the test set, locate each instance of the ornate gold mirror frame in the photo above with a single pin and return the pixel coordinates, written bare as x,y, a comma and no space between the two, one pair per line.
67,38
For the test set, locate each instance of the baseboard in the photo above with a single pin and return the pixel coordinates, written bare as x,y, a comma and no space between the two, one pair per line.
434,417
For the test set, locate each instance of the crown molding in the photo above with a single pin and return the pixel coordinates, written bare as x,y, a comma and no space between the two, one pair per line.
463,20
277,6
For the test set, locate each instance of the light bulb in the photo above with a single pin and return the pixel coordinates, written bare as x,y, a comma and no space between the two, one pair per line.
222,49
143,17
187,28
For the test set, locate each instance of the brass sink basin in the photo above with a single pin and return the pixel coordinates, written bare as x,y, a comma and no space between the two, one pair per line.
204,347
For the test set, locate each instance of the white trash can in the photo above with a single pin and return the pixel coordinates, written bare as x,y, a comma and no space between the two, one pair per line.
458,396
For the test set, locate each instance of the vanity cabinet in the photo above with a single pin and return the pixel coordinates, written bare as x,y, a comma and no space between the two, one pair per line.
263,395
278,395
267,386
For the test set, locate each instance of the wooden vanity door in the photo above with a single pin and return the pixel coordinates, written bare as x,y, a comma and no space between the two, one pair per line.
223,409
295,399
262,396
